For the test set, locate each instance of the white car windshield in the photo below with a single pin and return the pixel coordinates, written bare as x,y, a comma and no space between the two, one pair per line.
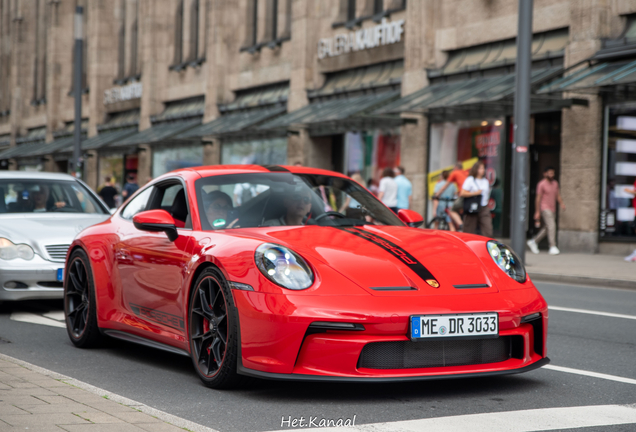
46,196
286,199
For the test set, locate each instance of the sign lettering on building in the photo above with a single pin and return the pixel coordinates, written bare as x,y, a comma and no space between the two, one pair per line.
385,33
123,93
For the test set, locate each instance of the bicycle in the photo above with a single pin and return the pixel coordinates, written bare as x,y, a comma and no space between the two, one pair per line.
442,221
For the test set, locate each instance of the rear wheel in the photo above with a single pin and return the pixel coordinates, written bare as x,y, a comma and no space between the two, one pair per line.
79,302
213,332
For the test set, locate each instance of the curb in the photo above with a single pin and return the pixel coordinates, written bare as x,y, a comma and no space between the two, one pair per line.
584,280
161,415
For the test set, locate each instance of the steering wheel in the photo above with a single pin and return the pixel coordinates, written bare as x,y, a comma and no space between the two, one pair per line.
330,213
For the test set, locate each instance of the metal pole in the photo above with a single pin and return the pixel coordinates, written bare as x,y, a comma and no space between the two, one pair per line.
520,172
77,91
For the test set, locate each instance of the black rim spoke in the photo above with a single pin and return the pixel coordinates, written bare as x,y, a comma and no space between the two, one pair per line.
216,350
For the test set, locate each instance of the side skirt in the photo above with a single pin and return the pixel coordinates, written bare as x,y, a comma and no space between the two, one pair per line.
118,334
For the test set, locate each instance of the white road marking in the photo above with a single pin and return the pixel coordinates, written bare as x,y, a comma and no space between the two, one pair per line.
592,312
510,421
590,374
36,319
56,315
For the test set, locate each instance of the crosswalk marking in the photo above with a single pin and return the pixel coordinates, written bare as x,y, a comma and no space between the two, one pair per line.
592,312
545,419
36,319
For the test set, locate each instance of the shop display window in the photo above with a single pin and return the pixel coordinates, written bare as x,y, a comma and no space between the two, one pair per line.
169,159
617,216
467,142
257,152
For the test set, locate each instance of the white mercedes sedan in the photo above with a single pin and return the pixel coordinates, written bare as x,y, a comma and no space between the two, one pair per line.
40,215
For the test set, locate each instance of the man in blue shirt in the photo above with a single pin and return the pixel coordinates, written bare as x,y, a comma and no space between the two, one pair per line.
405,189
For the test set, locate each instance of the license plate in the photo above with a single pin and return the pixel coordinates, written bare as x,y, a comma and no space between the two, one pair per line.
456,325
60,275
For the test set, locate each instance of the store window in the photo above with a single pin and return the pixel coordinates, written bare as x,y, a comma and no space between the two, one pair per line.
467,142
619,175
368,153
257,152
168,159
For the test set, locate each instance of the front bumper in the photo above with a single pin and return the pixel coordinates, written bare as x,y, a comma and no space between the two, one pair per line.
31,280
276,341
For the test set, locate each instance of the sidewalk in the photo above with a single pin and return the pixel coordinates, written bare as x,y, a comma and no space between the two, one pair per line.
589,269
35,399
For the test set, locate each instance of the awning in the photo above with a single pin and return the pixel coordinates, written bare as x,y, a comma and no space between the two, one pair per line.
155,134
19,150
233,122
377,76
341,109
494,94
594,76
548,45
272,94
33,135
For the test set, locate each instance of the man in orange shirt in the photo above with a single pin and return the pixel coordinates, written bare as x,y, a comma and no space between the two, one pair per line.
458,176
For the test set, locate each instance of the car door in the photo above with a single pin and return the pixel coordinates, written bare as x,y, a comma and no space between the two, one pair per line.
151,267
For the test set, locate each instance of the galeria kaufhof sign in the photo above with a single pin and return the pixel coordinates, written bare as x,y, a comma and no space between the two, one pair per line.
385,33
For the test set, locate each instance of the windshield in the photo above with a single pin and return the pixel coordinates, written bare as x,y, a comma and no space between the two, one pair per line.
46,196
285,199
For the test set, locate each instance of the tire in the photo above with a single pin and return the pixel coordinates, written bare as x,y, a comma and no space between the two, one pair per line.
213,331
80,311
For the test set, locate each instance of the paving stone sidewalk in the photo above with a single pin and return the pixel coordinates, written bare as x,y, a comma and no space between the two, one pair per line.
34,399
609,271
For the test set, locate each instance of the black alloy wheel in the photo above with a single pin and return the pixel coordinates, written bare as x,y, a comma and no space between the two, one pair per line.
213,341
79,302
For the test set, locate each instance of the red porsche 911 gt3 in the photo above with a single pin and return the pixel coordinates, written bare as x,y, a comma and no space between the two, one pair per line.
299,273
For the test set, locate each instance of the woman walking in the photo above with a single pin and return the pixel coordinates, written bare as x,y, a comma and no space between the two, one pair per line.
477,185
388,189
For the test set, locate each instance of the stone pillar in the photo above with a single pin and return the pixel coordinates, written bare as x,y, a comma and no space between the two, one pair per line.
297,147
50,165
414,154
91,169
13,165
212,152
144,164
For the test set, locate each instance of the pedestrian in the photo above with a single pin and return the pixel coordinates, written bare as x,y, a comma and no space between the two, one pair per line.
372,187
130,187
439,207
108,193
387,192
405,189
458,176
545,209
632,191
476,184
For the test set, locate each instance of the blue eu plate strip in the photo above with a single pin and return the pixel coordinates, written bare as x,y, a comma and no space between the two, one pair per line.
60,275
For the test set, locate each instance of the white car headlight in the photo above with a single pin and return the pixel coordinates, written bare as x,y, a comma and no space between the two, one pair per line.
283,266
9,250
506,260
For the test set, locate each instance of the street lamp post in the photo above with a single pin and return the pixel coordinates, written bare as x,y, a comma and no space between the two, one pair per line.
519,212
77,90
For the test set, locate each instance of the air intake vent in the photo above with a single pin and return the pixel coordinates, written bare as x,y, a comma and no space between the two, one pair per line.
434,353
57,252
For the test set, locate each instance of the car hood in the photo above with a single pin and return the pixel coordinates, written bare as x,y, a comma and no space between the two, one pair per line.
41,230
390,257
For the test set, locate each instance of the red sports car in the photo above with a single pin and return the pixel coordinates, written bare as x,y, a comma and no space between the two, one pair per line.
299,273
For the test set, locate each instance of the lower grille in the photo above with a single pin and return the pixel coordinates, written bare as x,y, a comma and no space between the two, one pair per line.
57,252
434,353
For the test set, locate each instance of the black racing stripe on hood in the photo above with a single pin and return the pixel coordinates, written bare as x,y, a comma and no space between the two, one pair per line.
275,168
409,260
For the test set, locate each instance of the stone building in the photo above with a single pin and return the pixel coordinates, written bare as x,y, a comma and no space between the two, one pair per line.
348,85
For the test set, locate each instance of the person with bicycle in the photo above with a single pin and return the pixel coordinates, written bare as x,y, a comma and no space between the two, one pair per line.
442,202
457,177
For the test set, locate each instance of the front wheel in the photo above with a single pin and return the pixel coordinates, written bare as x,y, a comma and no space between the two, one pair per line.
213,332
80,311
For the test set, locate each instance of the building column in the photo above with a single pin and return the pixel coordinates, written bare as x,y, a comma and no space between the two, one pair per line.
212,152
144,164
91,169
414,158
49,164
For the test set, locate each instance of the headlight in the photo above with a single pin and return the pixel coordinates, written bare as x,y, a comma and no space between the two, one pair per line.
283,266
507,261
9,251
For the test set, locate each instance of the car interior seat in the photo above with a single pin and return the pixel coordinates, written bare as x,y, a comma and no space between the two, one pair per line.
179,209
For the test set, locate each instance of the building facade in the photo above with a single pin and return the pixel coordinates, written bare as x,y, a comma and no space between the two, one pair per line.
348,85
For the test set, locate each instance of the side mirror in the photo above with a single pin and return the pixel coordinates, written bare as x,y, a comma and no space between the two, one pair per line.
156,221
411,218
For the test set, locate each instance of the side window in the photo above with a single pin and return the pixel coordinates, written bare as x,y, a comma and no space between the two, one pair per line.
138,204
174,201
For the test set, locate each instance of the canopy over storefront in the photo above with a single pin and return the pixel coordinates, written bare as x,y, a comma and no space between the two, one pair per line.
346,100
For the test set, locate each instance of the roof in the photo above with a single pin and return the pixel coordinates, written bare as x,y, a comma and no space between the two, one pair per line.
212,170
35,175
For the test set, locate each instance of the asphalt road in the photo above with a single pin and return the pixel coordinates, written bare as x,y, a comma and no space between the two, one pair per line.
582,341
